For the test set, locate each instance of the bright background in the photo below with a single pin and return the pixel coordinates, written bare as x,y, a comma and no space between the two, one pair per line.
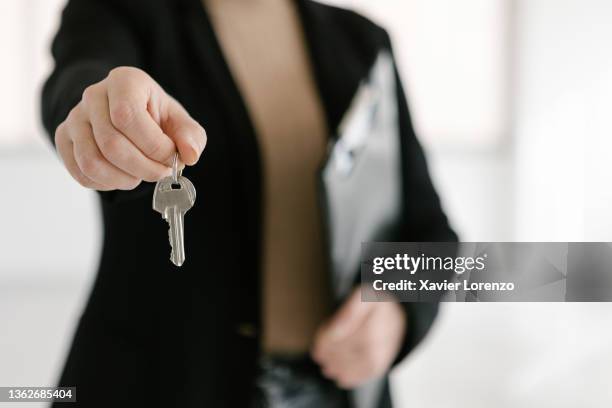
511,99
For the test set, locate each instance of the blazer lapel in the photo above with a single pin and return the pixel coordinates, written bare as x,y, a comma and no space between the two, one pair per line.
337,63
214,67
241,140
338,66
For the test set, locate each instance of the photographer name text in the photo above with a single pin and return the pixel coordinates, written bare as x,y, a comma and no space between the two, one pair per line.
427,285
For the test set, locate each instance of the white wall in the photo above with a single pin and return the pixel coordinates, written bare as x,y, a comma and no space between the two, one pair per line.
54,231
535,355
563,120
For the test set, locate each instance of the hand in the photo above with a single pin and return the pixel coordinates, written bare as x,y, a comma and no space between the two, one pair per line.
361,341
124,130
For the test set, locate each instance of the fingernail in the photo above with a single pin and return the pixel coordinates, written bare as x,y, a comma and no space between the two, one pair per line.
196,152
195,146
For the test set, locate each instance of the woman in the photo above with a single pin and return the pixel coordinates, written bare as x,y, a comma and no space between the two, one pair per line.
249,319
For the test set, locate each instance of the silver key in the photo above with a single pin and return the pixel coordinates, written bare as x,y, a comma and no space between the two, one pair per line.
173,197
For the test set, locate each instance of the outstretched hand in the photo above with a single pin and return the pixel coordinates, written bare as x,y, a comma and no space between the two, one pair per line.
124,130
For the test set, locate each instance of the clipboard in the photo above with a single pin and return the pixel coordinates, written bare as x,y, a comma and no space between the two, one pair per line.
361,179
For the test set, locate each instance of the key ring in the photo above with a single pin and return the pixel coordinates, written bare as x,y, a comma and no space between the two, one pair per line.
175,170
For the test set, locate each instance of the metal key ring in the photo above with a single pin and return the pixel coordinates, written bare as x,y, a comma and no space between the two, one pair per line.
175,170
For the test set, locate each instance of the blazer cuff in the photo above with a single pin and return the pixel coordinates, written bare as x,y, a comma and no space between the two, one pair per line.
65,88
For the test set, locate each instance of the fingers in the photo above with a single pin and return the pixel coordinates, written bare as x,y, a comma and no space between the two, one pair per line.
90,160
65,149
129,93
349,369
348,362
127,129
338,342
354,360
360,342
156,123
342,359
187,134
346,320
113,145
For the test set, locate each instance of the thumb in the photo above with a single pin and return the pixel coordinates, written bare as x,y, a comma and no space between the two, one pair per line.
187,134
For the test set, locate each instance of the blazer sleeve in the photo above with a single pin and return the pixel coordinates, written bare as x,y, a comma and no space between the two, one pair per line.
423,217
94,36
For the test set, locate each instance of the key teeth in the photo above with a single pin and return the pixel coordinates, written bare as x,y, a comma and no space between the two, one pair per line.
172,252
172,256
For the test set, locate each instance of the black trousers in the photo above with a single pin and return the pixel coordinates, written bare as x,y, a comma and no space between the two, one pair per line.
295,382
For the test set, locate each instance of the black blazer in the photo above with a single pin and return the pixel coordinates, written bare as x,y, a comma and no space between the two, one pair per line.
155,335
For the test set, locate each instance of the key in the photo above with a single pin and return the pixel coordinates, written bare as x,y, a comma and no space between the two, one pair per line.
172,198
